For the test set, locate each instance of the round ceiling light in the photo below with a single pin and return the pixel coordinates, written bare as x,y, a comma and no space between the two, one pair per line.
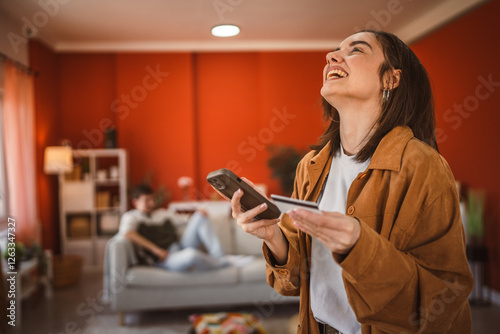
225,30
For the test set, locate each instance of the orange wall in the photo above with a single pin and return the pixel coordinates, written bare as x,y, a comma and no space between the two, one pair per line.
459,57
247,101
86,89
228,112
154,109
211,110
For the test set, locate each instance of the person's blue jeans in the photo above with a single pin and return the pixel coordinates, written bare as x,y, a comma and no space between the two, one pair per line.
186,254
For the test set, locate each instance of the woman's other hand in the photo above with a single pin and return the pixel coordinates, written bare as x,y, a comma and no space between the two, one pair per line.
336,231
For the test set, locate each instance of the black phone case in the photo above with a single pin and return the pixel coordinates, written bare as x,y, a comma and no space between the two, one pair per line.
227,183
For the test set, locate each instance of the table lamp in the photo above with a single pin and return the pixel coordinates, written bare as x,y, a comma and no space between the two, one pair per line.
58,160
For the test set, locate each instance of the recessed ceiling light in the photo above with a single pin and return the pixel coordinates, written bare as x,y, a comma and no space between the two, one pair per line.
225,30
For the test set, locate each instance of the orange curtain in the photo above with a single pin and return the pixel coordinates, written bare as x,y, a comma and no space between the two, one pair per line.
19,141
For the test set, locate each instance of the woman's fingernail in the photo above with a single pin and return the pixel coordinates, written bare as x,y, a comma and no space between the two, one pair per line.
263,206
238,191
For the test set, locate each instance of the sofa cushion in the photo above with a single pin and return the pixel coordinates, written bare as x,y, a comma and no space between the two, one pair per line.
155,277
222,222
254,271
245,243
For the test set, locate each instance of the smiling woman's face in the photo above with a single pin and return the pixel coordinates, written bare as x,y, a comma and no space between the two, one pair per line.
352,70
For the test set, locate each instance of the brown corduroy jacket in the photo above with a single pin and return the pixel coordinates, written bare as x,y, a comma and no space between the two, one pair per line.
408,271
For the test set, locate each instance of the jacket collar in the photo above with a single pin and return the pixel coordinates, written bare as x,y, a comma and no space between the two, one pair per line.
388,153
323,156
318,168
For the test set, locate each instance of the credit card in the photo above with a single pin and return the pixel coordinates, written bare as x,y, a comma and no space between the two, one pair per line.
286,203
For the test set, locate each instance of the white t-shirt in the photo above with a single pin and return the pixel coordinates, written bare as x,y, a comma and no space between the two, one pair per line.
329,302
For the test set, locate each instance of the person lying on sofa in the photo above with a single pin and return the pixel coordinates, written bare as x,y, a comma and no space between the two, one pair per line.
155,233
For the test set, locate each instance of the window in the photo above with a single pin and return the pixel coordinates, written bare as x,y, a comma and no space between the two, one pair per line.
3,183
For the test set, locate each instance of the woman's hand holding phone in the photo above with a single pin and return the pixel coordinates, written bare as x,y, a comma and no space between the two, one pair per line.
254,212
265,229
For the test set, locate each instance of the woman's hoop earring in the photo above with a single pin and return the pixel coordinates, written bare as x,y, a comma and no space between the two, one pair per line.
334,120
385,94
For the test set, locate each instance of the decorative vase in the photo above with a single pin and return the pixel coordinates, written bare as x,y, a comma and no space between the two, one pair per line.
110,138
185,183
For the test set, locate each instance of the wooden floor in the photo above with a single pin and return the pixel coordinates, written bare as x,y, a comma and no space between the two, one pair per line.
73,308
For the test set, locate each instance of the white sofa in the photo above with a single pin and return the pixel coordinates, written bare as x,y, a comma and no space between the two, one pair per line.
131,287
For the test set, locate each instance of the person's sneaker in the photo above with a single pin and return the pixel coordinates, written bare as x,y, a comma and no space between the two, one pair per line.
239,260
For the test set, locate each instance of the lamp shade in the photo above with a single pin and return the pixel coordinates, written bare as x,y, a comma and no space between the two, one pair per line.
58,160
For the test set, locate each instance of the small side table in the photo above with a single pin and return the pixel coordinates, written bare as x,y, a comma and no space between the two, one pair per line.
477,256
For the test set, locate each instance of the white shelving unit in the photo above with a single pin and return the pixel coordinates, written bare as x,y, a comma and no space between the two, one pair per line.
92,200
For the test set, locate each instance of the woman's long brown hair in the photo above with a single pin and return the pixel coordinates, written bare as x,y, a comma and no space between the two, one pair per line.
410,104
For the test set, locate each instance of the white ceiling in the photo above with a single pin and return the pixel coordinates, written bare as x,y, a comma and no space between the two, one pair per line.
184,25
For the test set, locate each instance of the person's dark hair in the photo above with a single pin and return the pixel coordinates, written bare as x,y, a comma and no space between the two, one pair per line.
410,104
141,189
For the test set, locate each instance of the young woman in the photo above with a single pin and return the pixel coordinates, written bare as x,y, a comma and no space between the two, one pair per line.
387,254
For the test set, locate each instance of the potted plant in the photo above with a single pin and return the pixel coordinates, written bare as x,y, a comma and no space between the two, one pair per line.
475,217
162,194
283,162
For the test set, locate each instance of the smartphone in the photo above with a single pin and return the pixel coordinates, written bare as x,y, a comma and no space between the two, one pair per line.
227,183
